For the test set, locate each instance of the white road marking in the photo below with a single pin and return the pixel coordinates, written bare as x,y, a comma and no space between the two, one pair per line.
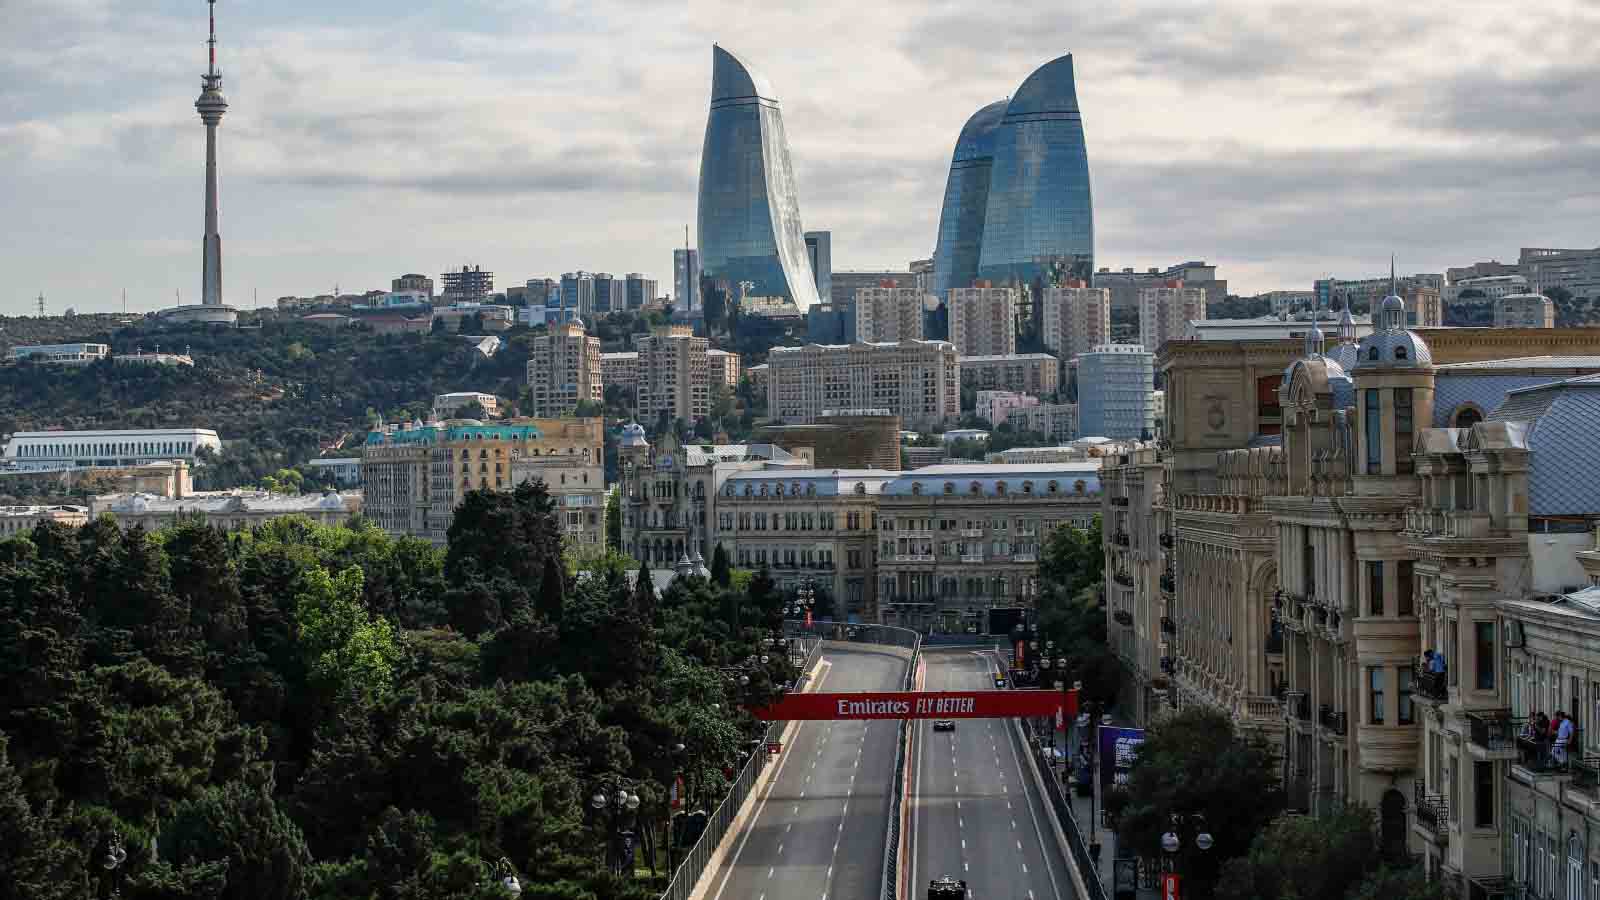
1013,823
966,867
770,870
796,811
791,824
734,863
780,849
963,843
1024,868
961,822
958,804
1019,845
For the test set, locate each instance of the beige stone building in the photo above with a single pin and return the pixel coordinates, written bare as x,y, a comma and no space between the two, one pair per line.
1524,311
1165,311
564,370
1076,319
889,314
620,369
1038,374
577,487
446,406
1057,420
916,380
673,375
956,540
983,320
228,510
723,366
15,519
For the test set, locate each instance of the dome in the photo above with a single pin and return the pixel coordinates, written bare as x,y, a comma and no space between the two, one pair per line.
1393,349
633,435
331,500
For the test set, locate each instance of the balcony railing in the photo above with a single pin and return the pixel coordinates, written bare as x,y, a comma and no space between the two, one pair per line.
1169,583
1335,722
1120,538
1119,501
1263,708
1433,686
1027,556
1123,578
1448,523
972,532
1540,755
1297,705
1433,810
1495,731
913,557
1123,617
1168,626
972,557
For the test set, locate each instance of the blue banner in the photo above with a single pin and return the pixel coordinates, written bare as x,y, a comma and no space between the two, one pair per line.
1118,746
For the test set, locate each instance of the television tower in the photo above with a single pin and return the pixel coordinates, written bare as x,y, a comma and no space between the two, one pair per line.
211,106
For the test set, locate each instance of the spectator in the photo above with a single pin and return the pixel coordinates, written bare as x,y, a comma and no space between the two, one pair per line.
1563,739
1436,662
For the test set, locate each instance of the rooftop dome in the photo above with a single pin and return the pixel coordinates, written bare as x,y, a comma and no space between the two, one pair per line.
633,435
1390,345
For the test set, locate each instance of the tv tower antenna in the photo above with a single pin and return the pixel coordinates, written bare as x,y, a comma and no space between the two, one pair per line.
41,304
211,106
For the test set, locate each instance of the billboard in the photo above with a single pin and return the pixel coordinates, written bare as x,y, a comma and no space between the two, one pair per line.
1118,746
920,705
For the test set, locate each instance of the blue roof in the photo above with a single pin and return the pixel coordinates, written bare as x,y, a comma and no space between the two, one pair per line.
1564,423
989,478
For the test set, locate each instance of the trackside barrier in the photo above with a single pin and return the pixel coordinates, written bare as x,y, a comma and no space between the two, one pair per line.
694,862
1069,823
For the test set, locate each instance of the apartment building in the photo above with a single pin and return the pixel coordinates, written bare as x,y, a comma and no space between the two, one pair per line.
983,320
1114,386
577,487
994,406
723,366
620,369
1058,421
917,380
1524,311
1577,271
564,369
1126,283
956,540
446,406
1166,310
673,374
888,314
1076,319
1038,374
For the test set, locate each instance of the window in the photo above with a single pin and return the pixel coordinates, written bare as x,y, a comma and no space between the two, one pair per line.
1402,430
1404,589
1375,587
949,487
1483,794
1375,695
1483,649
1468,417
1372,429
1403,685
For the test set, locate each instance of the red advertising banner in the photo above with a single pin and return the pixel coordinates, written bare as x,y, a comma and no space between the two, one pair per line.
922,705
1171,888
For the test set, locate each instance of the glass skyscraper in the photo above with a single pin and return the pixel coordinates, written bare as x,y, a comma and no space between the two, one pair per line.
1038,219
966,202
749,211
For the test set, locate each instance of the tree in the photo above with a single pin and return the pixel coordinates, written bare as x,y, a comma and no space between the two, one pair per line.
241,826
1194,763
1409,883
1305,858
552,589
614,518
345,647
36,858
721,572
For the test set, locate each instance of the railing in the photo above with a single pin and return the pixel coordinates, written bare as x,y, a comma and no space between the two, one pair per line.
1336,722
972,532
1119,501
1027,557
1540,755
1263,708
1087,866
1433,810
1430,685
1297,705
972,557
1123,617
1494,730
891,848
913,557
1123,578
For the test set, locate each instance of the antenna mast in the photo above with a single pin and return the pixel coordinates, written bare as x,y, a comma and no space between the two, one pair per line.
41,304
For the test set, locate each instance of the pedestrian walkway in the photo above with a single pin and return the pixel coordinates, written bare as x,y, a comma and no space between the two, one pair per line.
1086,812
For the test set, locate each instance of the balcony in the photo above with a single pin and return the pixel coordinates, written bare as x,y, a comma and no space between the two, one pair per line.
1119,501
1123,578
1493,733
1121,539
1123,618
1169,584
1336,722
1168,626
1433,810
1027,556
972,557
1027,532
1432,686
1264,709
1452,524
1537,754
1297,705
1166,541
972,532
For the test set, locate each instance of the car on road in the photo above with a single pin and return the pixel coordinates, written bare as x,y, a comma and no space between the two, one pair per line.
944,725
947,888
999,681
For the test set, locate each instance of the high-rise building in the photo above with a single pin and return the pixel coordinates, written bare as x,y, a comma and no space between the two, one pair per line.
467,285
674,375
543,292
577,292
1524,311
983,320
845,284
638,290
888,315
1114,385
686,280
966,202
1577,271
1165,311
620,369
609,294
831,323
1038,374
1039,223
722,367
1364,294
1125,284
922,272
564,370
749,211
917,380
412,282
1076,319
819,248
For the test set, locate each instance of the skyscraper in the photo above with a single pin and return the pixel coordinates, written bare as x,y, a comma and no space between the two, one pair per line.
211,106
819,250
1039,222
749,211
686,280
966,202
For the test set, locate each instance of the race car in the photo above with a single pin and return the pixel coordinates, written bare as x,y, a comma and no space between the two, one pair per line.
947,888
944,725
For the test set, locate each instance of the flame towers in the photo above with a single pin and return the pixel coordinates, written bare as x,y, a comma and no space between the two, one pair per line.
749,216
211,106
1017,205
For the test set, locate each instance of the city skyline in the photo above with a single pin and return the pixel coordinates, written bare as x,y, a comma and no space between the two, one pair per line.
1298,159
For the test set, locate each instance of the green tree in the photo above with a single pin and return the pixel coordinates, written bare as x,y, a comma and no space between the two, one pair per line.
1408,883
1194,763
36,858
241,826
721,572
346,647
614,518
1306,858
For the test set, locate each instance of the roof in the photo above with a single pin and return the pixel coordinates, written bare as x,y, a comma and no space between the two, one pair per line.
1563,421
733,78
1573,364
703,454
989,476
1049,89
623,354
225,502
1004,357
41,510
812,482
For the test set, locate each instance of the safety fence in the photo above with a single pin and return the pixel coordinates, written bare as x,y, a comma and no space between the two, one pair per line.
699,856
1062,804
891,846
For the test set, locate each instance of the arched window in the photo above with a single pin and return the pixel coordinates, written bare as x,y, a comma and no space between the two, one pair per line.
763,490
1399,353
1468,417
778,489
747,491
949,487
999,488
1372,353
916,488
1078,486
727,490
975,489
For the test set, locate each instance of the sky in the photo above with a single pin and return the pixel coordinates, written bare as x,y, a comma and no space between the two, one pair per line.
1281,142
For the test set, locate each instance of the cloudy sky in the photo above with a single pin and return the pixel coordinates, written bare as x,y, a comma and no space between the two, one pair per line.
366,138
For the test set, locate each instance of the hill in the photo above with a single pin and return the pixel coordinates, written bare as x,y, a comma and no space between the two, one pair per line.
277,395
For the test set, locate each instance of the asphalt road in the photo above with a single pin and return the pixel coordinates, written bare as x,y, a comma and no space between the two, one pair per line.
818,829
976,813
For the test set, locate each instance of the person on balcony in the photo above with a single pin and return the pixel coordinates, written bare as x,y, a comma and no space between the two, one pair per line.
1530,729
1435,662
1563,738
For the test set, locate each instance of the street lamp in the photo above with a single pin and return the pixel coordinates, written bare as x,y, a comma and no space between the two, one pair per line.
1172,842
508,877
115,856
619,840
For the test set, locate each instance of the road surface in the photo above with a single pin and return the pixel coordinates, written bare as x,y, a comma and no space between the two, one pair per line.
976,812
818,829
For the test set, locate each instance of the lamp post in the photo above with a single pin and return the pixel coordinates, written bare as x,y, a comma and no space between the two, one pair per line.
1089,722
1172,841
619,802
114,857
508,877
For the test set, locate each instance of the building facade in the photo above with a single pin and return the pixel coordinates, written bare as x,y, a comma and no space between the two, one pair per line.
1114,385
956,540
18,519
1058,421
564,370
620,369
723,366
994,406
819,248
983,320
749,207
60,354
673,375
446,406
1038,374
1126,283
412,282
1577,271
842,439
888,315
966,202
228,510
918,381
1165,312
54,451
686,280
578,489
1075,319
1524,311
638,290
